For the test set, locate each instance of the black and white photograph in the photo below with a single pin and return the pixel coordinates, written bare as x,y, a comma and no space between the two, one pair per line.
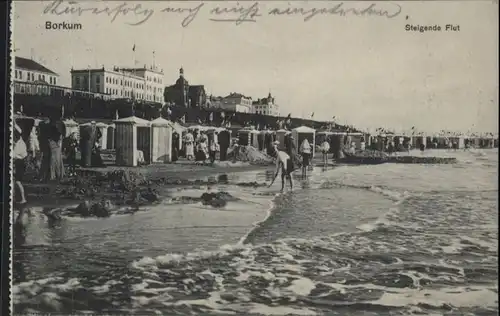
254,158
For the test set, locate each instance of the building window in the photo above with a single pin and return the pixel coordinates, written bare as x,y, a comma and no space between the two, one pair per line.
98,80
77,80
97,89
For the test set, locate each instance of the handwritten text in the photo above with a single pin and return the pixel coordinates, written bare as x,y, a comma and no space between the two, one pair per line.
138,14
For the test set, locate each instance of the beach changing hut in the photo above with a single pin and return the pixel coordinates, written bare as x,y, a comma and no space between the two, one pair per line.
280,138
213,134
254,138
111,131
244,138
419,140
321,137
337,139
261,137
71,126
103,141
179,130
357,138
368,140
87,135
304,132
161,140
132,138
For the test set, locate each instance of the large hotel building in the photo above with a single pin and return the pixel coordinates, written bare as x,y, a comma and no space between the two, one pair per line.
144,84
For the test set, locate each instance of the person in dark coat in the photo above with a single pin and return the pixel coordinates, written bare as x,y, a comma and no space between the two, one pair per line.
96,159
268,143
70,148
86,145
224,141
261,141
175,146
55,135
43,140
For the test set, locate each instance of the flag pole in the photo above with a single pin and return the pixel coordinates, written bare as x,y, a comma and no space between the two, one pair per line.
133,82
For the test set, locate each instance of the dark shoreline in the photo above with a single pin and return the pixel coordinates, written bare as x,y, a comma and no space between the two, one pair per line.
121,184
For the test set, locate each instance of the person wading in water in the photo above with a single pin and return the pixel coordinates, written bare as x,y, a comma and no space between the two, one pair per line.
305,151
325,149
283,162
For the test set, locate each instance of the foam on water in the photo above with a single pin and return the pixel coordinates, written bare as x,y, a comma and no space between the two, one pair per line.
432,250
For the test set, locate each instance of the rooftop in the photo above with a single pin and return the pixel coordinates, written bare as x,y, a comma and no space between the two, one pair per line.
237,95
30,64
150,69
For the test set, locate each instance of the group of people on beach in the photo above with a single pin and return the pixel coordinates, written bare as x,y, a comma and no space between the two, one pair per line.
200,146
40,147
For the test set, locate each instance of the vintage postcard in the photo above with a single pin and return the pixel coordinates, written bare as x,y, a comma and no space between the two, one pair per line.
254,158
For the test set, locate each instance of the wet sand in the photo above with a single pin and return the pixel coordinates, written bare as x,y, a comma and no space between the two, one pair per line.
106,183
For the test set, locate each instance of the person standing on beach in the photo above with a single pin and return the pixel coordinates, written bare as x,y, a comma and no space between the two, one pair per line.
175,146
33,147
20,154
86,144
422,148
325,149
55,143
285,164
189,140
43,140
202,150
305,151
214,148
70,148
224,141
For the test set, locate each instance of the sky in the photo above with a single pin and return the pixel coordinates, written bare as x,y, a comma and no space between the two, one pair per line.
367,71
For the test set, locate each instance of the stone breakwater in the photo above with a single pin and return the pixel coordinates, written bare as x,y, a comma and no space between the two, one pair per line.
422,160
370,157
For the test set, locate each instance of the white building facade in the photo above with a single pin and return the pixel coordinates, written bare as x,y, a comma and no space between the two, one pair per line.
28,70
236,102
144,84
266,106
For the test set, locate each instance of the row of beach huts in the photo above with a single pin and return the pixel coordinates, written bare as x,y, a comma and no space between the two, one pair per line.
132,137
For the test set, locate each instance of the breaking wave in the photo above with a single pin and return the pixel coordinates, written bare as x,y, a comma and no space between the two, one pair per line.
426,249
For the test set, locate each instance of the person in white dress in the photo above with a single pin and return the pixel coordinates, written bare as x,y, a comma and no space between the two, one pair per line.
203,150
305,151
189,140
214,148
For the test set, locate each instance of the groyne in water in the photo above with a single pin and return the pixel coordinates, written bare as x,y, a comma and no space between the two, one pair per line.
396,159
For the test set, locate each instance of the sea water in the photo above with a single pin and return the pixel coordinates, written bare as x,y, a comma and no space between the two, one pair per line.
389,239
